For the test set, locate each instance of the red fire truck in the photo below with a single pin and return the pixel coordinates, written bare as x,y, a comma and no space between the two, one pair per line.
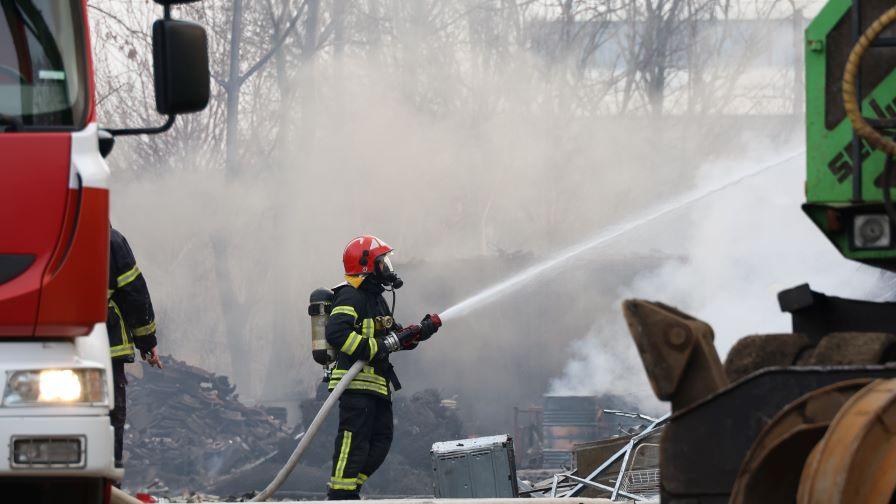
56,441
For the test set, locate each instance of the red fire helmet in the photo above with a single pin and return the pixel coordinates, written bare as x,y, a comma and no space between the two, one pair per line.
360,254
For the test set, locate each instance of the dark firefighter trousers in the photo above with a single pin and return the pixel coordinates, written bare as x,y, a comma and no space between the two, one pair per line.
363,441
119,412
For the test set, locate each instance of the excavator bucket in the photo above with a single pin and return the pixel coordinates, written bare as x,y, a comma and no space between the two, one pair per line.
677,351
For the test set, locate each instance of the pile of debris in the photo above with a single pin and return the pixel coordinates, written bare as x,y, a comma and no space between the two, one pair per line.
188,432
421,419
187,429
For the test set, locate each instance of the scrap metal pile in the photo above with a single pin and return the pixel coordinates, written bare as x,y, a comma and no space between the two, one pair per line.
187,429
620,467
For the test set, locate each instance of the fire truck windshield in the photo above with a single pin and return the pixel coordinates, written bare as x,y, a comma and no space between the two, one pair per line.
42,65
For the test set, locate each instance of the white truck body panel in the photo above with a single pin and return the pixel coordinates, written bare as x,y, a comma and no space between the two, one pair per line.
90,422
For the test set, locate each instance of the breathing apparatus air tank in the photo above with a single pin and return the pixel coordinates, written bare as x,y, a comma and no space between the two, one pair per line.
319,307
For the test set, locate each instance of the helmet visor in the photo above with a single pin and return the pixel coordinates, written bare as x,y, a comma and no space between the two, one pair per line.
384,265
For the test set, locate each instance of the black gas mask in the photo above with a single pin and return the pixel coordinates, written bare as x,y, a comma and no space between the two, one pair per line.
384,273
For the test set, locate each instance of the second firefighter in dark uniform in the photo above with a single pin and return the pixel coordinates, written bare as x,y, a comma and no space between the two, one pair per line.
130,322
361,327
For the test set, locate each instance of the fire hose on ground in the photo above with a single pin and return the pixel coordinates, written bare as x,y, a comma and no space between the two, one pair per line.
287,468
119,497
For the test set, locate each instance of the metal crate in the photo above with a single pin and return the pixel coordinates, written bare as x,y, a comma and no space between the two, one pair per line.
474,468
643,482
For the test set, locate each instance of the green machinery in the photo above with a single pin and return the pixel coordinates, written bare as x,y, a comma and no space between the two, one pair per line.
844,176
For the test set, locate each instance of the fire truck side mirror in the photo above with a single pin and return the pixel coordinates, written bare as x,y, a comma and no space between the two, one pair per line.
180,66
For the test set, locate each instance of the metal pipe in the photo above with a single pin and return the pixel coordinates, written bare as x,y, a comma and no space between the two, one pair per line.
554,485
619,477
600,486
629,415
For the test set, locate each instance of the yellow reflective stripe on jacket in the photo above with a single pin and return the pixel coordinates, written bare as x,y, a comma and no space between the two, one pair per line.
338,373
147,329
126,347
346,310
383,391
367,379
120,350
376,380
343,456
374,346
124,331
363,385
372,378
380,389
128,277
370,372
351,343
367,328
362,478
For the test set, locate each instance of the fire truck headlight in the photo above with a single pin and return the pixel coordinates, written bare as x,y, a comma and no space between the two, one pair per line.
55,387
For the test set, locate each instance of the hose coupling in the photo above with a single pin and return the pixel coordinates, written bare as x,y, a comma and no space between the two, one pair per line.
392,343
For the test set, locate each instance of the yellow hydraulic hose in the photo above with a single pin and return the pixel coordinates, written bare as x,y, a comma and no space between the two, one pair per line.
850,98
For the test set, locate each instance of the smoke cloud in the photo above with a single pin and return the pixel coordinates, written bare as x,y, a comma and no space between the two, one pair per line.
474,163
740,247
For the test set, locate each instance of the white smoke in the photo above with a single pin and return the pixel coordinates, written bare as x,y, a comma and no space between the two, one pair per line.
454,151
740,247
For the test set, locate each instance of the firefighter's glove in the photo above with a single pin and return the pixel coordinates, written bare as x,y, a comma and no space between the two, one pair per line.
403,339
427,328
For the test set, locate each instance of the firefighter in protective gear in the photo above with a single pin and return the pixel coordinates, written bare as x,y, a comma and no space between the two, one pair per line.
131,324
361,327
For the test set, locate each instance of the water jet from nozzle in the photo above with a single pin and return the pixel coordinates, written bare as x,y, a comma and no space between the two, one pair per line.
500,289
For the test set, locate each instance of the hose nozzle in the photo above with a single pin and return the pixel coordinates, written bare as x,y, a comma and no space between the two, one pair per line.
436,320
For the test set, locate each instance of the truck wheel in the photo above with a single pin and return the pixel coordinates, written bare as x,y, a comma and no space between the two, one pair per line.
771,470
855,460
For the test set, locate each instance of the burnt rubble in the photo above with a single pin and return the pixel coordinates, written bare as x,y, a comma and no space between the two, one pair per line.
420,419
188,432
187,429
